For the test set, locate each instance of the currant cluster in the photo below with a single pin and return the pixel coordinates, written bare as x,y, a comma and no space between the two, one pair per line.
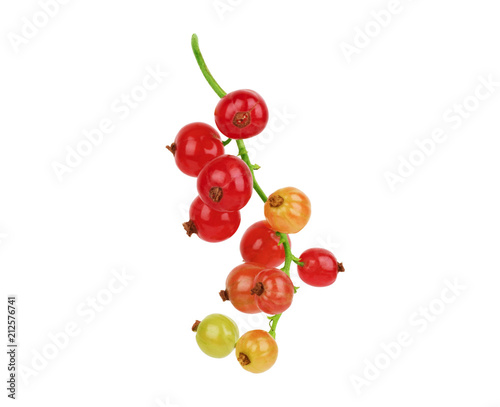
225,184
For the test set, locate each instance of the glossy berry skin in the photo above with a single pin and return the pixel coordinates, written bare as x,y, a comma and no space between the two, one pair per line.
256,351
259,244
225,184
273,291
217,335
320,267
210,225
287,210
195,145
239,282
241,114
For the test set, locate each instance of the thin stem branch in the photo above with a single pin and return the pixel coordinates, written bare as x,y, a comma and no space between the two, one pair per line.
244,156
288,254
272,323
204,69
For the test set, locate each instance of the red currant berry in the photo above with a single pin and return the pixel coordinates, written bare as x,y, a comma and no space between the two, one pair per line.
260,244
256,351
211,225
320,267
273,291
195,145
239,282
225,183
241,114
287,210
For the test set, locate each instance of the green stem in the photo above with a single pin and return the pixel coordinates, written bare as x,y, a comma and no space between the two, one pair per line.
272,323
288,254
244,156
203,66
289,257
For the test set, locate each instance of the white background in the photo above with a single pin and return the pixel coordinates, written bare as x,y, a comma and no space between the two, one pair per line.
346,125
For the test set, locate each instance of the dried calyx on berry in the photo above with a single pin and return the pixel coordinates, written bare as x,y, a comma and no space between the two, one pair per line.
258,289
190,228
